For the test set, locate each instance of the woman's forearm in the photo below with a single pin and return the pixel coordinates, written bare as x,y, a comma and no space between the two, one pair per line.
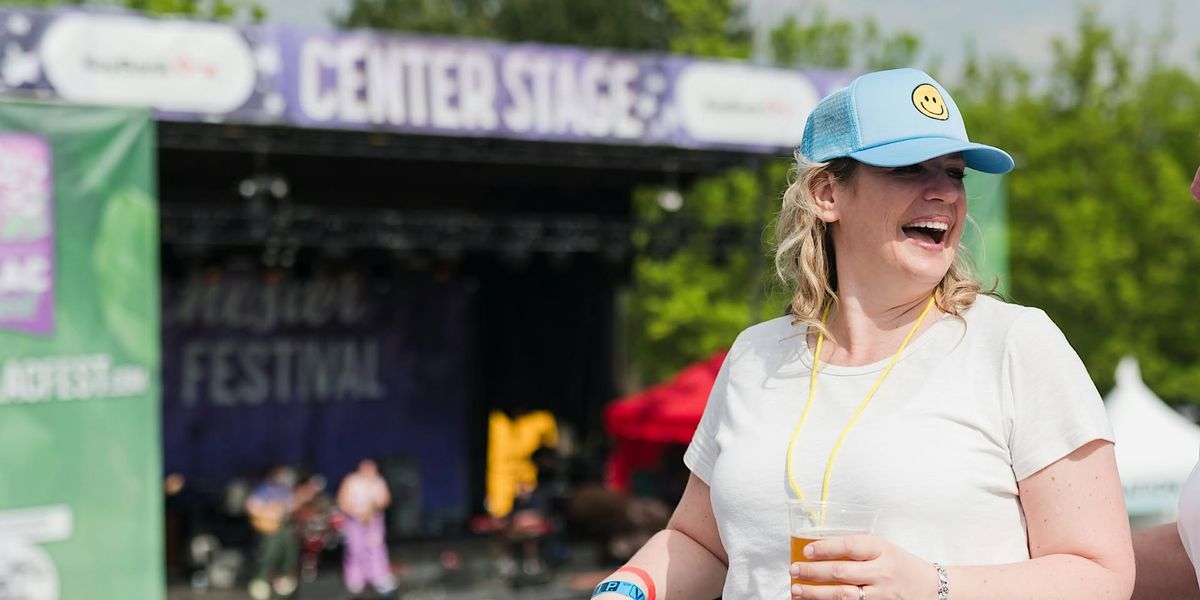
1164,571
681,568
1056,576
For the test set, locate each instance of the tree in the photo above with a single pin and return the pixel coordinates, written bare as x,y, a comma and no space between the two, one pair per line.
212,9
822,42
689,302
452,17
1103,235
644,25
209,9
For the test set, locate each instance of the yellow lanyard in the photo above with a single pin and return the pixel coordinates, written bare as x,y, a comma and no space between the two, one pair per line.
812,394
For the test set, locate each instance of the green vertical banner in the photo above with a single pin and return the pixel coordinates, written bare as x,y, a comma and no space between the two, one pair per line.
80,459
986,238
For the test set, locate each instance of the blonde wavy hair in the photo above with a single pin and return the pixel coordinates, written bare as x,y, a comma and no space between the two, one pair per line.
804,255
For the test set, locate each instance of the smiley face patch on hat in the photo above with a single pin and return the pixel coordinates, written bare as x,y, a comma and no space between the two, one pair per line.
929,102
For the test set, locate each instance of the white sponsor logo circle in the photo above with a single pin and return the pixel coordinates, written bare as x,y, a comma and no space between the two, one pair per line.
172,66
26,573
739,104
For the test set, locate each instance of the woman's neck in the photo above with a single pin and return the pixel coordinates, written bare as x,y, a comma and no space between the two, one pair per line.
869,328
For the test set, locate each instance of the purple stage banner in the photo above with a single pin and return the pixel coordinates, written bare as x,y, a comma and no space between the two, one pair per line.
316,373
365,80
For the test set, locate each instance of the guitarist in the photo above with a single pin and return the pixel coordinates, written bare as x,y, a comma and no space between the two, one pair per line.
269,508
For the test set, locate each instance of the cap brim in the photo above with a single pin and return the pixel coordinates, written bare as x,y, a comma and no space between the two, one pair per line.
910,152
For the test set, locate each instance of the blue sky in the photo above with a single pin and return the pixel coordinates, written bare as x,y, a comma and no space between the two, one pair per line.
1022,29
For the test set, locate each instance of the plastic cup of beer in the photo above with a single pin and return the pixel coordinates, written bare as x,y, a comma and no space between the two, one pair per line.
814,520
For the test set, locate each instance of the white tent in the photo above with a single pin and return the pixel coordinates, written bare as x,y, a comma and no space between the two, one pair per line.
1156,446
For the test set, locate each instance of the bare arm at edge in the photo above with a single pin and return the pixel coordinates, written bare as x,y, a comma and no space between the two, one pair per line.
1164,571
686,560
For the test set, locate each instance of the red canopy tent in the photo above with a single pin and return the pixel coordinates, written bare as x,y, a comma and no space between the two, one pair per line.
643,424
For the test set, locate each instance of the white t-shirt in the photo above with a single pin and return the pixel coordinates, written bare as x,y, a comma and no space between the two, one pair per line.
963,416
1189,517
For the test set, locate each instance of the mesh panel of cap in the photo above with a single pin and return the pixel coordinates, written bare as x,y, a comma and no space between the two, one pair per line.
832,129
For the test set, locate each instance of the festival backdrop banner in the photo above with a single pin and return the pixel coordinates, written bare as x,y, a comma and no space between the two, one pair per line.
262,369
80,487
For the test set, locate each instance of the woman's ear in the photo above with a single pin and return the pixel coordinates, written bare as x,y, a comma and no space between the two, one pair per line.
824,193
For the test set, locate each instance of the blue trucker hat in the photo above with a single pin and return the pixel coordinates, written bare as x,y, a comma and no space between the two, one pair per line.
892,119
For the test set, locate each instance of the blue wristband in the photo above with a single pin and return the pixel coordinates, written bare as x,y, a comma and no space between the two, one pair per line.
624,588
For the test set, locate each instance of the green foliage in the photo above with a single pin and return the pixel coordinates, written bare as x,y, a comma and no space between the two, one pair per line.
223,10
696,26
822,42
1103,233
211,9
636,25
817,42
708,28
455,17
47,3
695,300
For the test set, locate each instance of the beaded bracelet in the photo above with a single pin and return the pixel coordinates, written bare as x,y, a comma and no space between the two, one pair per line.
943,582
